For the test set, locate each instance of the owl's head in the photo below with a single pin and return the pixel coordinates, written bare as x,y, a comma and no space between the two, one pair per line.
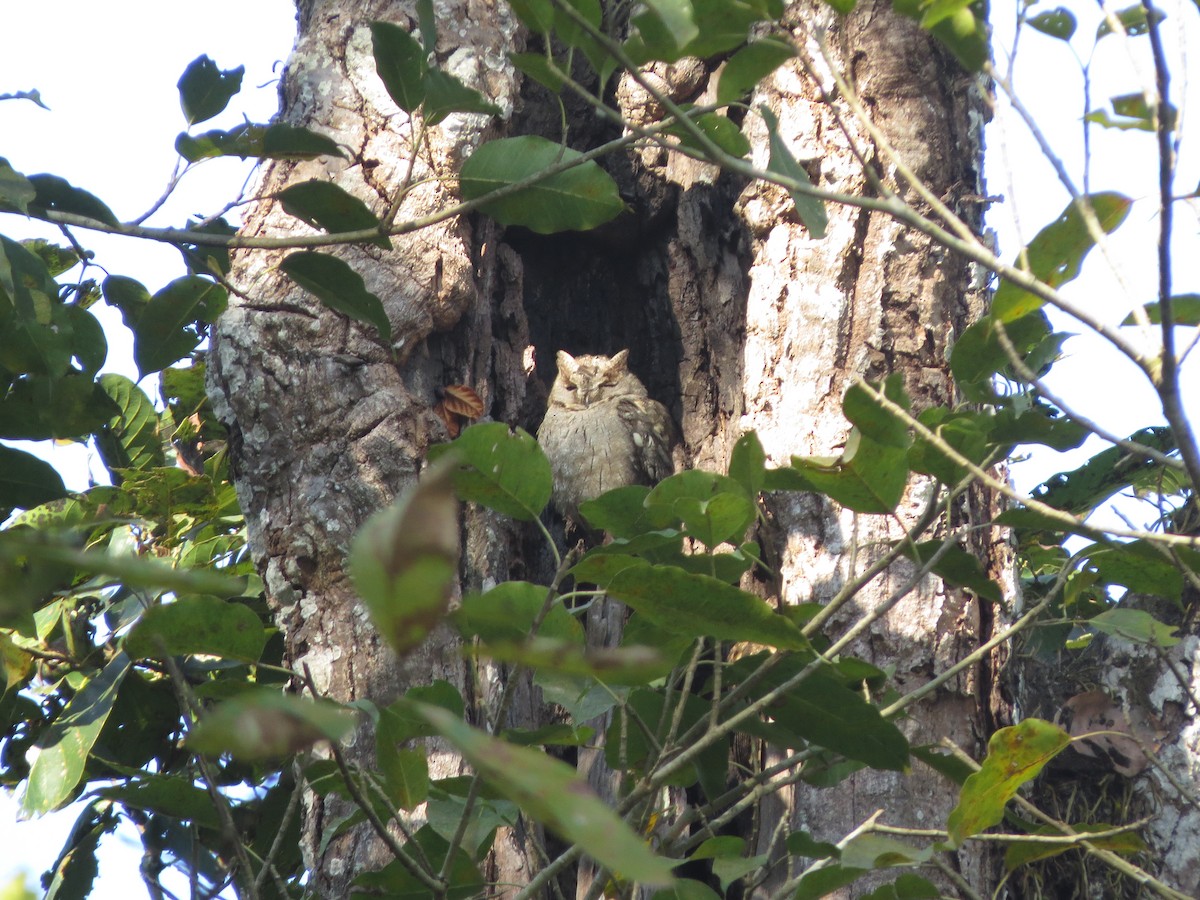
587,380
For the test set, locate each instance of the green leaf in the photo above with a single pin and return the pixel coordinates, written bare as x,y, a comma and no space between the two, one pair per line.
748,463
1015,755
265,141
686,889
666,27
967,433
1141,567
576,199
1020,853
694,605
265,724
26,481
553,793
37,408
957,567
192,625
962,32
810,209
169,327
867,478
621,512
1134,20
290,142
339,287
1136,626
75,870
868,415
326,206
1185,310
537,67
713,508
822,710
205,90
977,355
1058,23
1083,489
1055,256
536,15
750,65
56,194
16,191
128,296
173,796
718,129
130,440
507,613
404,560
824,881
64,747
445,94
405,776
501,469
401,64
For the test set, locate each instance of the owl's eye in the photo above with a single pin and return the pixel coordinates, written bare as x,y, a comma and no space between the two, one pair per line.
571,387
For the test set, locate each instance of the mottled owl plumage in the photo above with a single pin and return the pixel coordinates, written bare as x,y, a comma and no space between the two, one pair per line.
602,430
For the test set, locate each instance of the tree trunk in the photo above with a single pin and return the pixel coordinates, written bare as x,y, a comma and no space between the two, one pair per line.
735,316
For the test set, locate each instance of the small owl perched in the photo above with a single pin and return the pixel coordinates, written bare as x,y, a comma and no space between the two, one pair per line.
602,431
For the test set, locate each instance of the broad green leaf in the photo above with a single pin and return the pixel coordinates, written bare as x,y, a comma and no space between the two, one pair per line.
266,141
907,887
16,191
629,665
1135,625
747,463
537,67
1015,755
536,15
694,605
169,327
281,141
577,199
1142,568
501,469
866,413
1055,256
26,481
1020,853
553,793
206,259
130,440
621,512
1083,489
966,433
825,712
801,843
726,24
1185,310
168,795
628,747
404,559
717,128
1134,20
1058,23
445,94
957,567
56,194
573,35
400,722
74,873
867,478
824,881
192,625
37,408
64,747
395,881
550,736
427,24
128,296
1132,112
713,508
686,889
265,724
507,612
666,27
962,32
810,209
977,355
88,343
205,90
1039,424
339,287
405,776
746,68
324,205
401,63
878,851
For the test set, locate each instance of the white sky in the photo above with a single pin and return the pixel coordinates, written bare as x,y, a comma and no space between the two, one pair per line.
108,74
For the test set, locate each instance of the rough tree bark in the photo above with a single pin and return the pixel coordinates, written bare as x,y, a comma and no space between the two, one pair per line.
735,316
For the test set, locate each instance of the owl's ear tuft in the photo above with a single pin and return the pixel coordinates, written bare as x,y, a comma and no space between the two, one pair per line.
619,362
566,364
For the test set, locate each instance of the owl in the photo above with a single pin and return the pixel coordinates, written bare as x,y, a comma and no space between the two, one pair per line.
602,431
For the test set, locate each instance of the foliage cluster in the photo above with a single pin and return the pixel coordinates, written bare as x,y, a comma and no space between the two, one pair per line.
143,673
